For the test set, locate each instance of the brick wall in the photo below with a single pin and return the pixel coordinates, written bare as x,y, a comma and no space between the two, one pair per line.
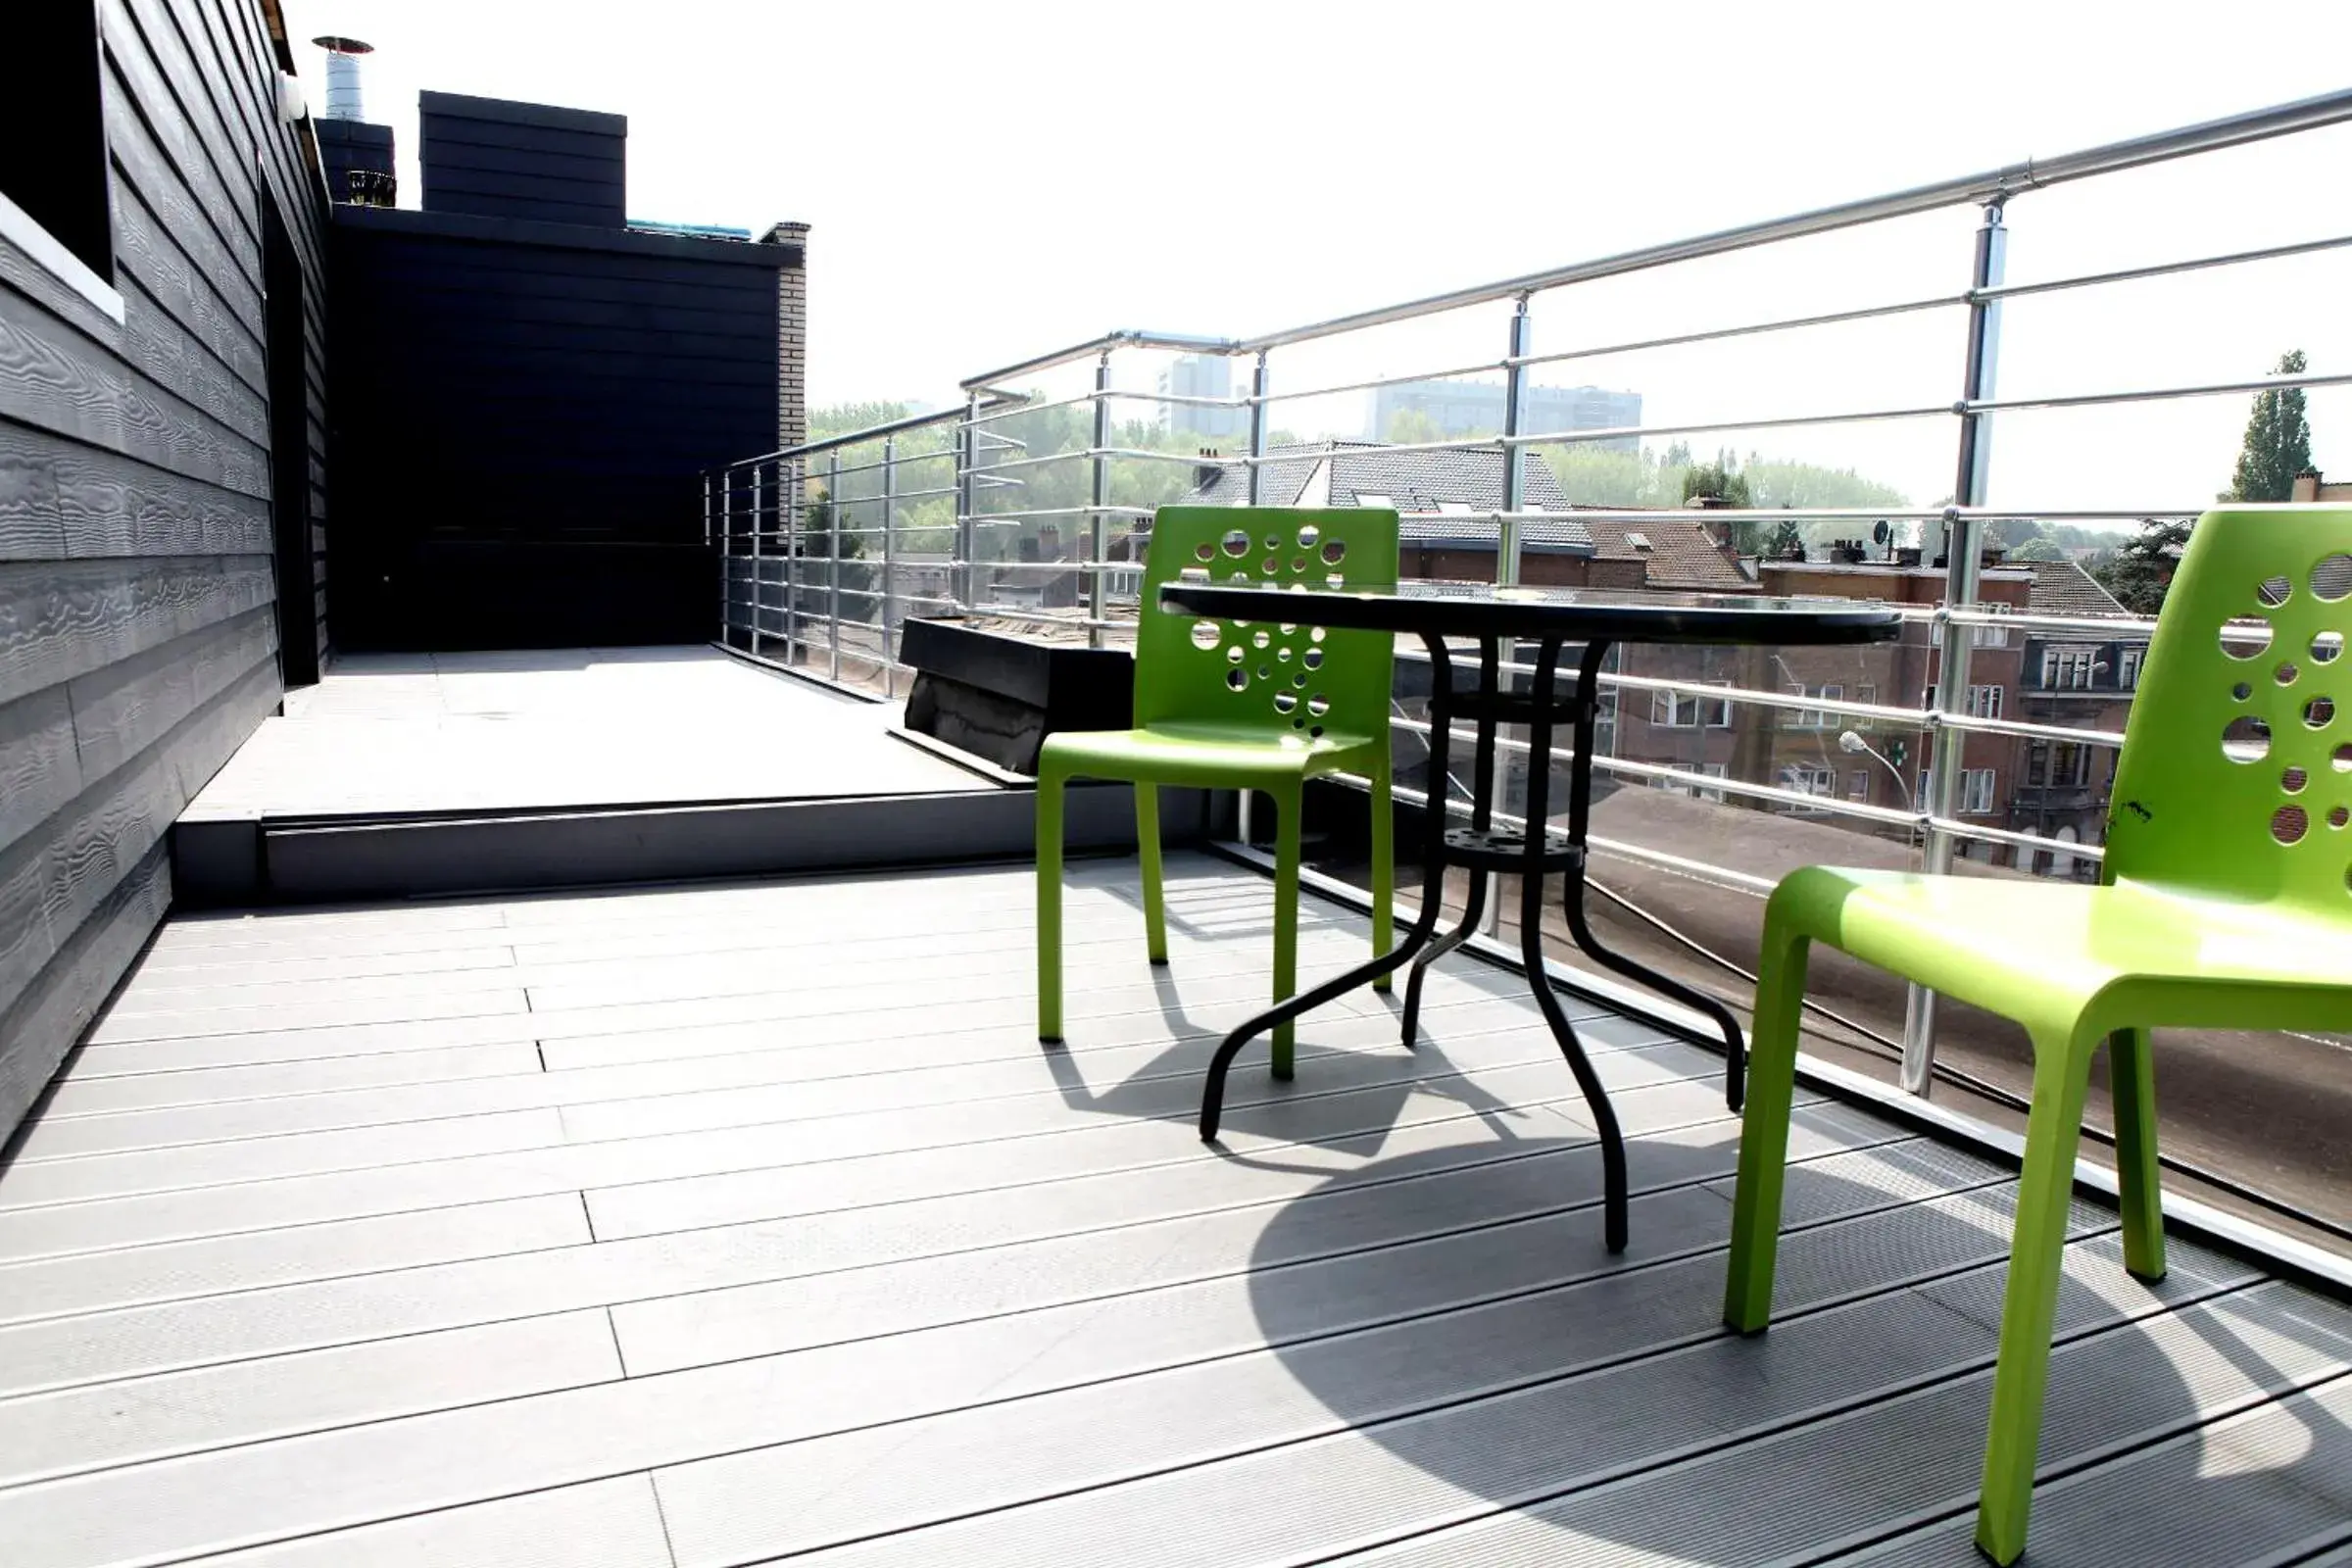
791,337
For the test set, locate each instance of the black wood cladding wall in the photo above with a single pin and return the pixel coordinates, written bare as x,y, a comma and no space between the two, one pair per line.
522,409
139,612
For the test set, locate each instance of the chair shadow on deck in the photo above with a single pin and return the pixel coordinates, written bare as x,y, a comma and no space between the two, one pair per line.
1520,1366
1348,1093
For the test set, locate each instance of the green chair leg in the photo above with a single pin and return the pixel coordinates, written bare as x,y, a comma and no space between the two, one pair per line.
2138,1180
2029,1304
1764,1132
1384,867
1286,921
1048,907
1146,847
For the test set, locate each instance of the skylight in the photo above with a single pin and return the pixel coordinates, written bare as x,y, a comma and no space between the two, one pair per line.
1640,541
1373,498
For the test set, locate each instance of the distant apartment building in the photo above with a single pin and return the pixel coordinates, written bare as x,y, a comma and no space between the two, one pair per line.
1201,375
1475,408
2075,679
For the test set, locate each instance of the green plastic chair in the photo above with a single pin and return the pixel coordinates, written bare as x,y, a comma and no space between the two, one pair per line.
1256,707
2226,901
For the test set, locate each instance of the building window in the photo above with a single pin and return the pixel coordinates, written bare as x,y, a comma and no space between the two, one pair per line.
1695,770
1868,694
2071,669
1821,781
1857,785
1373,498
1689,710
1985,702
1812,717
1976,792
1990,636
53,161
2127,669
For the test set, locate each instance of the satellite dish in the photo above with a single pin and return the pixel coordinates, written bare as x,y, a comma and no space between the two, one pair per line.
1880,533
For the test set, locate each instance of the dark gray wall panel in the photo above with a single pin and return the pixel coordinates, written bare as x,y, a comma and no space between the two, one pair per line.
138,633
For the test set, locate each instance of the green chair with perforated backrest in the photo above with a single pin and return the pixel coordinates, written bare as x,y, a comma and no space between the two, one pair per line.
2225,901
1242,707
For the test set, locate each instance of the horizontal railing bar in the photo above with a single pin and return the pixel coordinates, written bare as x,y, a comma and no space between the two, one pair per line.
2027,730
1718,334
2113,628
2327,109
1114,454
1780,423
871,432
2002,835
1179,341
2129,274
1380,381
2085,399
1635,852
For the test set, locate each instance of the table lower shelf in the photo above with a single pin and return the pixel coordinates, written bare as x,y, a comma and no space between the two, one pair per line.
1505,848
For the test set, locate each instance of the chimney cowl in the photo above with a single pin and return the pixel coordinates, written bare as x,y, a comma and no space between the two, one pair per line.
345,99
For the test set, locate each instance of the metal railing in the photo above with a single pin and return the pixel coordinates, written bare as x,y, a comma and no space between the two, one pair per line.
1025,504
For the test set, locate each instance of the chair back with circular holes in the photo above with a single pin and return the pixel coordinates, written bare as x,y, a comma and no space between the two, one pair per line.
1287,679
2236,770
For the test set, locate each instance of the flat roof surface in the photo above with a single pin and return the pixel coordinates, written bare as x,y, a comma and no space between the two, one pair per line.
393,733
697,1226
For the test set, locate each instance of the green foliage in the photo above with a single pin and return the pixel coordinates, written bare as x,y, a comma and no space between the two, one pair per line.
819,565
2037,549
2277,444
1410,427
1717,482
2141,570
1591,475
839,418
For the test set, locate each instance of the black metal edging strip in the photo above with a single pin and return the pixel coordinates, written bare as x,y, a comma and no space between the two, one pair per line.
2248,1239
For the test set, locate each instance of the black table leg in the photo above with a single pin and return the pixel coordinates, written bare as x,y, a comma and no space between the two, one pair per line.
1531,921
1433,897
1482,816
1580,812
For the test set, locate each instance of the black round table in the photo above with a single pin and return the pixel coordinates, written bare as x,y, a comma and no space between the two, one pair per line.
1550,618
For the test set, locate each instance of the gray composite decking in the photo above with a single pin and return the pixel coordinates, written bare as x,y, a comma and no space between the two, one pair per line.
398,733
715,1225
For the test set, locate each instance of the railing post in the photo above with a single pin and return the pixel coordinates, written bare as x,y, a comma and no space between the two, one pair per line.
1506,561
710,535
726,550
1258,481
889,554
968,497
1095,521
1948,746
759,588
833,555
791,530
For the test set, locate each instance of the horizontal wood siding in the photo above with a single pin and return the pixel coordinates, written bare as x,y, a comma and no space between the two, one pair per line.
502,159
139,602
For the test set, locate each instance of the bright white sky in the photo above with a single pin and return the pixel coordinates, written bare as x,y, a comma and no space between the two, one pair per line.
989,182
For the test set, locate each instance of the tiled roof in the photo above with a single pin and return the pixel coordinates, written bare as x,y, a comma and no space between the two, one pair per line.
2064,588
1415,481
1681,554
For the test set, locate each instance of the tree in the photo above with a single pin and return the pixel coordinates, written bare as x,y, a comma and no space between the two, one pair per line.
1410,427
819,565
2277,444
1716,481
2141,570
2037,549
